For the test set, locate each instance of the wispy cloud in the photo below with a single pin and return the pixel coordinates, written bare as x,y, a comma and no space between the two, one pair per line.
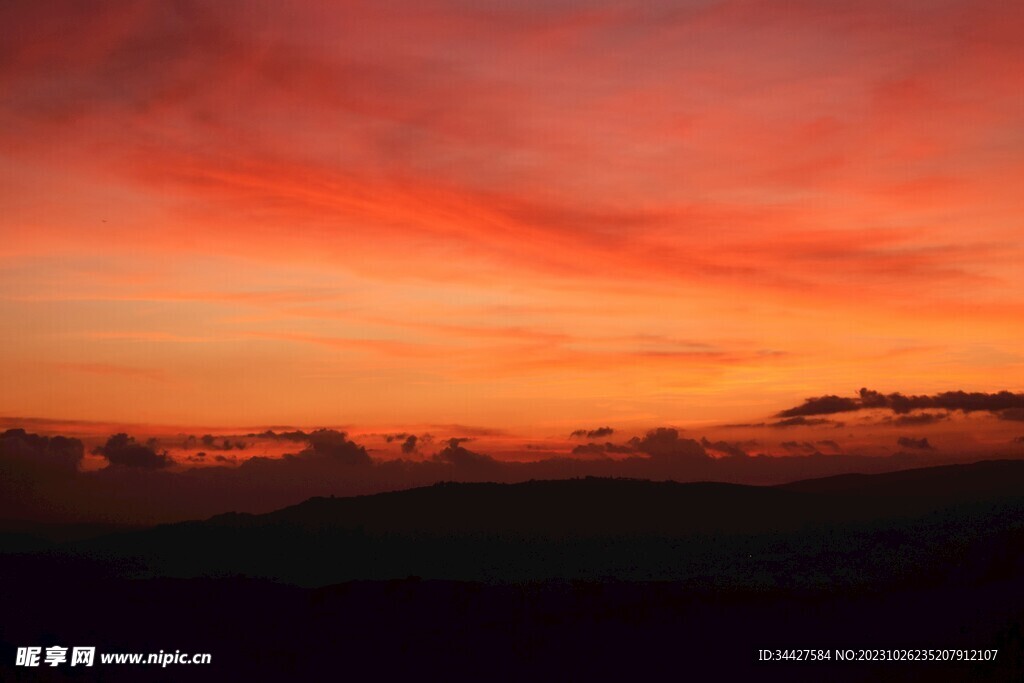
555,204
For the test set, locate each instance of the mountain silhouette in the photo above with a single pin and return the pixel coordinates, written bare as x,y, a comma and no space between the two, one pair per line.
583,579
813,533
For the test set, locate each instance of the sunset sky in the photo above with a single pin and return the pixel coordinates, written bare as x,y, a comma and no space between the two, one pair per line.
525,217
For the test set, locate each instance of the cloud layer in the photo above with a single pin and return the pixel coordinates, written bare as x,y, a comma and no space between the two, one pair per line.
1004,404
43,480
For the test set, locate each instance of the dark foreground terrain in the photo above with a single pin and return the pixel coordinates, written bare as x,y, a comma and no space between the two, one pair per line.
591,579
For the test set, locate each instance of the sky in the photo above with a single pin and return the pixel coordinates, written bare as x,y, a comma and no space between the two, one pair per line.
507,220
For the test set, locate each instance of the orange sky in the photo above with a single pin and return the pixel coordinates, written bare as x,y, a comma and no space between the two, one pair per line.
531,216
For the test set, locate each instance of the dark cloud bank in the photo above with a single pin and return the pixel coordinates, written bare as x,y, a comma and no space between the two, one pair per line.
1004,404
598,433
